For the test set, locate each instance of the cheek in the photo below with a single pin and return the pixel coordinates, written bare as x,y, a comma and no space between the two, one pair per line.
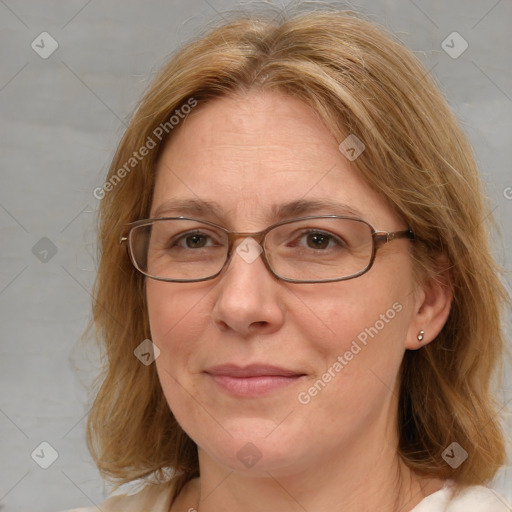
170,306
177,317
363,343
351,310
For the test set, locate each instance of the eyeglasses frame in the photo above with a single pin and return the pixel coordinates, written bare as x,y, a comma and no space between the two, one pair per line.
379,238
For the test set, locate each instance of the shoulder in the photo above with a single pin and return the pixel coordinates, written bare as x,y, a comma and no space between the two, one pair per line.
470,499
156,498
479,499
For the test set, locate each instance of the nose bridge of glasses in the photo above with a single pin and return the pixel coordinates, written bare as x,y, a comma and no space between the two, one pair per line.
233,236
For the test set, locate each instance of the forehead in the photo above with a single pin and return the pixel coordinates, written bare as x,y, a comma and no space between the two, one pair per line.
246,157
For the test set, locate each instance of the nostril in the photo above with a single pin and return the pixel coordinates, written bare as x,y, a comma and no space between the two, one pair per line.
259,324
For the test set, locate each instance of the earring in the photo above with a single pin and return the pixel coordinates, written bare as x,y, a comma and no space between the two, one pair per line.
420,335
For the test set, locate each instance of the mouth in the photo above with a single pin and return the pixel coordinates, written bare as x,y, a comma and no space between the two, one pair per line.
252,380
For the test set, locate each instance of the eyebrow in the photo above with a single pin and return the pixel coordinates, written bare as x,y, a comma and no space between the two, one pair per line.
301,207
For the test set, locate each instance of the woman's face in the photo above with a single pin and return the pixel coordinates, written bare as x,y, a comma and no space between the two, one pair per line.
262,374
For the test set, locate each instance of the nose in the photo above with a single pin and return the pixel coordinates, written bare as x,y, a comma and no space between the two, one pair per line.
249,296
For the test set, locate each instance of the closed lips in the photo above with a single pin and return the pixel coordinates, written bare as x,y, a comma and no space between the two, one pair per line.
253,380
229,370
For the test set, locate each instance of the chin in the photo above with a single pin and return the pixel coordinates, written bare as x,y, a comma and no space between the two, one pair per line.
256,448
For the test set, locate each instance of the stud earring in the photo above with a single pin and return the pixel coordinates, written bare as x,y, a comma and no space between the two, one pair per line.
420,335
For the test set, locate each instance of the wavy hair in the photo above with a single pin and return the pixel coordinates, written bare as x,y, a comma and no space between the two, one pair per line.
361,81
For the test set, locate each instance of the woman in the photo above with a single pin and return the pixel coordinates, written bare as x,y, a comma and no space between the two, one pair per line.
296,294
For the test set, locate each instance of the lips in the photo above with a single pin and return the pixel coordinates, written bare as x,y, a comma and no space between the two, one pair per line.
252,380
253,370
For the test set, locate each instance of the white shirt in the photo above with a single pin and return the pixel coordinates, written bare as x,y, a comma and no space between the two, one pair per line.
471,499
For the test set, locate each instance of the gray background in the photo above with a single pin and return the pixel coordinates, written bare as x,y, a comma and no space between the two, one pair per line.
62,118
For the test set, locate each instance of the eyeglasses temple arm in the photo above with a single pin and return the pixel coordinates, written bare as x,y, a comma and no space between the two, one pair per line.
382,237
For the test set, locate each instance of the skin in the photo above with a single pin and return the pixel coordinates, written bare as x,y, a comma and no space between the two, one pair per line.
338,452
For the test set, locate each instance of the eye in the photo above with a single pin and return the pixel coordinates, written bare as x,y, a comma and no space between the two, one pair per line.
318,240
192,240
195,241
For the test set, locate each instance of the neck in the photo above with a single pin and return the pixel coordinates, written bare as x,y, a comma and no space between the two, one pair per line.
354,483
356,473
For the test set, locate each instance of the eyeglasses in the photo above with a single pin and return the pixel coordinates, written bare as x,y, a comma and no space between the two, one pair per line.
315,249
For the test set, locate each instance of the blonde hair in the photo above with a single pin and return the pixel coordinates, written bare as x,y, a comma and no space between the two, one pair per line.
360,81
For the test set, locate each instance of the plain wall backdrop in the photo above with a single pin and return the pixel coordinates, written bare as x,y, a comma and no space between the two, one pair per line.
64,109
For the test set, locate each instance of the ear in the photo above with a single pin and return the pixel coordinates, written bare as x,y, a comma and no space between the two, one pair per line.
432,306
